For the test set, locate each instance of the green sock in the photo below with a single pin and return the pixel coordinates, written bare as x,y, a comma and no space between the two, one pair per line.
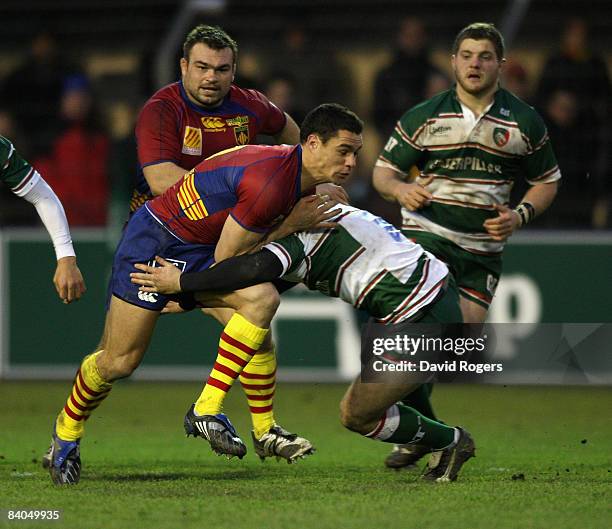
419,400
403,424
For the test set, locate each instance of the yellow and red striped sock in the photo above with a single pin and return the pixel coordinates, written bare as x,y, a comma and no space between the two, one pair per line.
258,380
88,391
239,341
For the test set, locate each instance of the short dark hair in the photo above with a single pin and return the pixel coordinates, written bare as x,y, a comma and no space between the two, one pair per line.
327,119
213,36
481,31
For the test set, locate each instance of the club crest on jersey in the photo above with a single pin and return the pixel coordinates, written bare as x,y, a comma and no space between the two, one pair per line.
213,124
501,136
242,135
192,141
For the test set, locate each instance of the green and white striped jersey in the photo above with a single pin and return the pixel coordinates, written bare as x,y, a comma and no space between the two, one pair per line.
474,162
365,261
15,172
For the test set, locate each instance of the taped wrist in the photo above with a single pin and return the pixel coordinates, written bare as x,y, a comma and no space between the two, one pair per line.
526,212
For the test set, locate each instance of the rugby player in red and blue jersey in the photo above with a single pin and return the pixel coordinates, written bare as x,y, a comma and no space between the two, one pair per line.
188,121
226,206
200,115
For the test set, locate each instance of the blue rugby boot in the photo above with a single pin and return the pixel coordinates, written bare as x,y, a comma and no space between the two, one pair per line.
217,430
64,461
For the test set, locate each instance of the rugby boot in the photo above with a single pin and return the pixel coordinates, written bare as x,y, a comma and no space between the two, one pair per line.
217,430
406,456
282,444
64,461
444,465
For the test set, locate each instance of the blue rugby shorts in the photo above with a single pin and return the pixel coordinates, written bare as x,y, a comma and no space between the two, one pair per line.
143,238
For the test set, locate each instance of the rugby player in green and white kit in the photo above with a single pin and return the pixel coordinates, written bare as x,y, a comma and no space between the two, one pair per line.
366,262
26,183
469,145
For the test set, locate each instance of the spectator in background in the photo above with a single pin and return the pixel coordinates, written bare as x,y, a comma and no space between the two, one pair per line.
300,56
76,167
436,82
281,90
403,84
122,163
576,70
32,92
575,201
515,80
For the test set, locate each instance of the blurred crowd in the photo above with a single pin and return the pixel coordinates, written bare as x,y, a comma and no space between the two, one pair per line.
50,109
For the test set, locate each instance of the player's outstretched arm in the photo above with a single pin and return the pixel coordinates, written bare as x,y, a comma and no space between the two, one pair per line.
232,274
67,279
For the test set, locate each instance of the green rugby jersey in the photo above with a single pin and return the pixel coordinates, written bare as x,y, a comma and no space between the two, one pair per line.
15,172
474,162
365,261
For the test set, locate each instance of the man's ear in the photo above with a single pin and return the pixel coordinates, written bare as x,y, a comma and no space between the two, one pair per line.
184,64
313,141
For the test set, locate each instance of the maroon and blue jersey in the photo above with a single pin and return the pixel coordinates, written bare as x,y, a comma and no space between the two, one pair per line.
257,185
171,128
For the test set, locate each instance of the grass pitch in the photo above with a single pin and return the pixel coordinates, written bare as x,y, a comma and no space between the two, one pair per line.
543,461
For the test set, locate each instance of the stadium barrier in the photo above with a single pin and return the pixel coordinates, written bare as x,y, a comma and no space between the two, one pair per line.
548,277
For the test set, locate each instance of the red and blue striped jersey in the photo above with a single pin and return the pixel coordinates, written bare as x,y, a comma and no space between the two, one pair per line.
171,128
256,184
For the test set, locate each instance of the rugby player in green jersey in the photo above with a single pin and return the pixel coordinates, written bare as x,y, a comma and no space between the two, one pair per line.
468,144
366,262
27,183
